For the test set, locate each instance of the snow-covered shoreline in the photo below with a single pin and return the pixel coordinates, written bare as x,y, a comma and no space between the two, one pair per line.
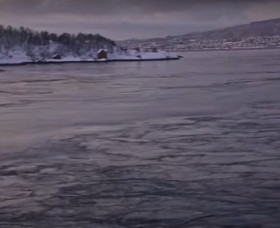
24,46
111,57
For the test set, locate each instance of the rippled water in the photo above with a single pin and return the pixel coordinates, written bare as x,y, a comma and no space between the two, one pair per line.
189,143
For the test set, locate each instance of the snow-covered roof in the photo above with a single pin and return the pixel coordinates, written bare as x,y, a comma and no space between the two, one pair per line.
100,50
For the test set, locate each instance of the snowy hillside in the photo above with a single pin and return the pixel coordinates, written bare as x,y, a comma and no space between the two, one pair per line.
26,46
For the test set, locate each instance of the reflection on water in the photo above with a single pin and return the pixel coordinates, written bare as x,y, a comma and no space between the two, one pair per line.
190,143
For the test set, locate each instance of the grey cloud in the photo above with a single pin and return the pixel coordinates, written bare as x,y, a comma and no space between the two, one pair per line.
133,18
113,6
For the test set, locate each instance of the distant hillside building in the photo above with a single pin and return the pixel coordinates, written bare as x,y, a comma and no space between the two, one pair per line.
137,49
102,54
155,50
57,57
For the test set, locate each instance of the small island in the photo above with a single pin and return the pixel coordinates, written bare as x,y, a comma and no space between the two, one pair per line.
24,46
118,54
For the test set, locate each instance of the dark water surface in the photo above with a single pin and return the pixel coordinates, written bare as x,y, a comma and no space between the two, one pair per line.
190,143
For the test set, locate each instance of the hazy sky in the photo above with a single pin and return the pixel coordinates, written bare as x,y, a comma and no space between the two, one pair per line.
121,19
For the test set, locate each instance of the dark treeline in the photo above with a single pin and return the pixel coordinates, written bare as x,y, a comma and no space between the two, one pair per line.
43,44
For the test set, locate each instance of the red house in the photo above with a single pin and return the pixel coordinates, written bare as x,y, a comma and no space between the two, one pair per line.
102,54
57,57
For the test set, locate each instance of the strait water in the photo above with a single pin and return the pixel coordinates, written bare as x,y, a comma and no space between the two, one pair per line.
189,143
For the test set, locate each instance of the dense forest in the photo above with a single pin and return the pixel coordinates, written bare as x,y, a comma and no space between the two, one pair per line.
42,45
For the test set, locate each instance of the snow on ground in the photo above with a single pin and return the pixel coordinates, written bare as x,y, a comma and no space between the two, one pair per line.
14,56
17,56
70,59
135,55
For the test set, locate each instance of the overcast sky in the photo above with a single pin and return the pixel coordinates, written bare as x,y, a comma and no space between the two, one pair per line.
122,19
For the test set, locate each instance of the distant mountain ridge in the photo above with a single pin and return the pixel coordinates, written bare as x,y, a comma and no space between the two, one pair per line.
259,34
258,28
